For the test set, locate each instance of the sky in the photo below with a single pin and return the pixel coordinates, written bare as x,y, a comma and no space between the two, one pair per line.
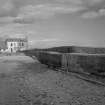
49,23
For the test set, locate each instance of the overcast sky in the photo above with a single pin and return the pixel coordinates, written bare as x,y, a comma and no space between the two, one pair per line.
50,23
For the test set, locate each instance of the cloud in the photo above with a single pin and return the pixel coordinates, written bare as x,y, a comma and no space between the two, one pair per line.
71,1
8,6
92,2
81,2
102,12
29,13
92,7
45,40
47,10
49,40
45,43
6,20
90,14
12,30
94,14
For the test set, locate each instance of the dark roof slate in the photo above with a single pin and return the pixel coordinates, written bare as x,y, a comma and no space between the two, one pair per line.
16,40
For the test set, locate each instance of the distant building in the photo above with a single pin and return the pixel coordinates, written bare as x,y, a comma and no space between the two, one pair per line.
16,44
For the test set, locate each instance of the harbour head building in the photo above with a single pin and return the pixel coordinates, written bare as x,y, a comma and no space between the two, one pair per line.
16,44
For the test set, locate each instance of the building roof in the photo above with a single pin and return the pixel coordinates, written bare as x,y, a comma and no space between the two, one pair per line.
16,40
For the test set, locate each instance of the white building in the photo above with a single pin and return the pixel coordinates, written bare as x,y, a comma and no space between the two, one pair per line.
16,44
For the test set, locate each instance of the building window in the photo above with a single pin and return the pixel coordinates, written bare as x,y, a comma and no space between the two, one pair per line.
22,44
14,44
11,50
19,44
11,44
